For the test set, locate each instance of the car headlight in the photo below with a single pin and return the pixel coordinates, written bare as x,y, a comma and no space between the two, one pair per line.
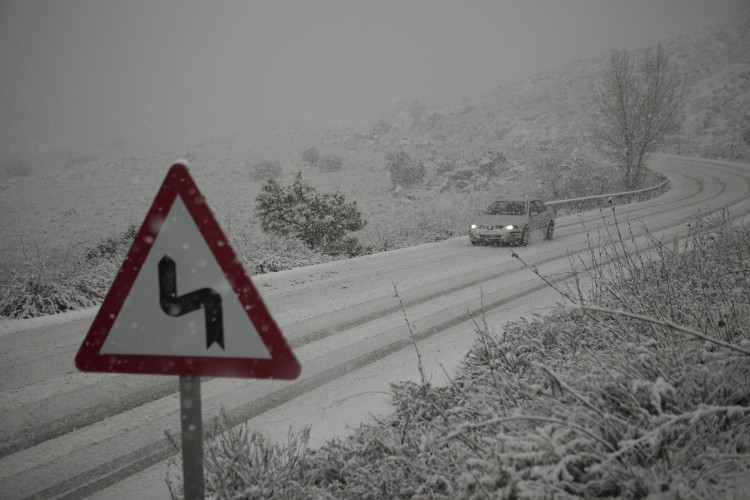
510,226
473,226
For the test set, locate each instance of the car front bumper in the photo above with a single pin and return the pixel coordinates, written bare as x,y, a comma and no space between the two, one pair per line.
495,235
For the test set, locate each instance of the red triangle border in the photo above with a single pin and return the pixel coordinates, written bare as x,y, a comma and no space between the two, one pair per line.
282,364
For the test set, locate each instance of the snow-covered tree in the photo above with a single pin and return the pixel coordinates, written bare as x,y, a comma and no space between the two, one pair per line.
637,103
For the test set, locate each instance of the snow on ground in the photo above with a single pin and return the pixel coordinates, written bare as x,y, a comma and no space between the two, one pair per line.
334,410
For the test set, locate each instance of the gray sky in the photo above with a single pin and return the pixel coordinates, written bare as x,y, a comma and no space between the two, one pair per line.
126,63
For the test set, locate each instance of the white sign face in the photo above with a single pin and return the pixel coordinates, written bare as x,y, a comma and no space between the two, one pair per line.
146,325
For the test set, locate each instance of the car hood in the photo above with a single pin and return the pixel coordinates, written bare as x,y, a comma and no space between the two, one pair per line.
500,220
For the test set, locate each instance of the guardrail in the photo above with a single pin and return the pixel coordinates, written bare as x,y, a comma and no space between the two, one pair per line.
590,202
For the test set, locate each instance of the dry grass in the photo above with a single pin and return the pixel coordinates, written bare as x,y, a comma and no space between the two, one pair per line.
39,287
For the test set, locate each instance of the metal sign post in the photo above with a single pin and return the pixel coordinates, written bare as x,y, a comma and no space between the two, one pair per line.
192,437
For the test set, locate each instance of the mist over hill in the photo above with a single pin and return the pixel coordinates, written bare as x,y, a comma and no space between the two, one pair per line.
552,109
65,187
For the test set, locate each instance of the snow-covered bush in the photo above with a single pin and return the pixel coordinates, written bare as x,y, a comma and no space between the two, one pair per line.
404,171
330,162
310,155
38,288
422,226
572,175
236,457
326,162
31,291
266,169
260,256
112,245
319,220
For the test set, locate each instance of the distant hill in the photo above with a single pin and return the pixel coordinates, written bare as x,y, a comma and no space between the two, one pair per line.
551,109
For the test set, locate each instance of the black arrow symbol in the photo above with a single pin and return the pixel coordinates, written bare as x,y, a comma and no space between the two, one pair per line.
205,298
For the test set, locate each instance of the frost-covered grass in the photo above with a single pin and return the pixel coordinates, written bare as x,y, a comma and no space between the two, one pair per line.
606,398
424,226
38,286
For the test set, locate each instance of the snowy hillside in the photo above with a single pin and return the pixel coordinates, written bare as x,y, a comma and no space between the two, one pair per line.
552,109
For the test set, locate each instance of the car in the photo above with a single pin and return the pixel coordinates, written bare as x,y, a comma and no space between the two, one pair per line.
512,221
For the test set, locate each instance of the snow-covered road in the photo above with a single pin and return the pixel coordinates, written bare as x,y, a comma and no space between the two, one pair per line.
73,434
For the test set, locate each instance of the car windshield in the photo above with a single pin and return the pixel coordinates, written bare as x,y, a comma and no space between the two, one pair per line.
506,208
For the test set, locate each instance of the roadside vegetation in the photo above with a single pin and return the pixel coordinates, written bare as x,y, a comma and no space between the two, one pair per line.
321,221
39,286
317,227
636,388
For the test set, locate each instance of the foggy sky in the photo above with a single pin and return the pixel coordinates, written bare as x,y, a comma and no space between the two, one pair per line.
198,65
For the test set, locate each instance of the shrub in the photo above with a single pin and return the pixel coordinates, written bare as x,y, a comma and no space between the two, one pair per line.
746,136
266,169
422,226
319,220
570,175
268,255
491,164
348,247
236,456
330,162
404,171
29,291
311,156
79,280
112,245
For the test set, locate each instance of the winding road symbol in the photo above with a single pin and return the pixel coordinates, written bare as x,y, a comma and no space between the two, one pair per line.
204,298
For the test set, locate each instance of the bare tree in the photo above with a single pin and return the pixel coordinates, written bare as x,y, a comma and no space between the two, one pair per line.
638,102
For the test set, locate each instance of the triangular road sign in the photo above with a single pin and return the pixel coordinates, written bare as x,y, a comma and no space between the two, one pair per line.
182,303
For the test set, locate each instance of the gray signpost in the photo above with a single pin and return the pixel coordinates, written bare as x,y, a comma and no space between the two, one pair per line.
192,437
